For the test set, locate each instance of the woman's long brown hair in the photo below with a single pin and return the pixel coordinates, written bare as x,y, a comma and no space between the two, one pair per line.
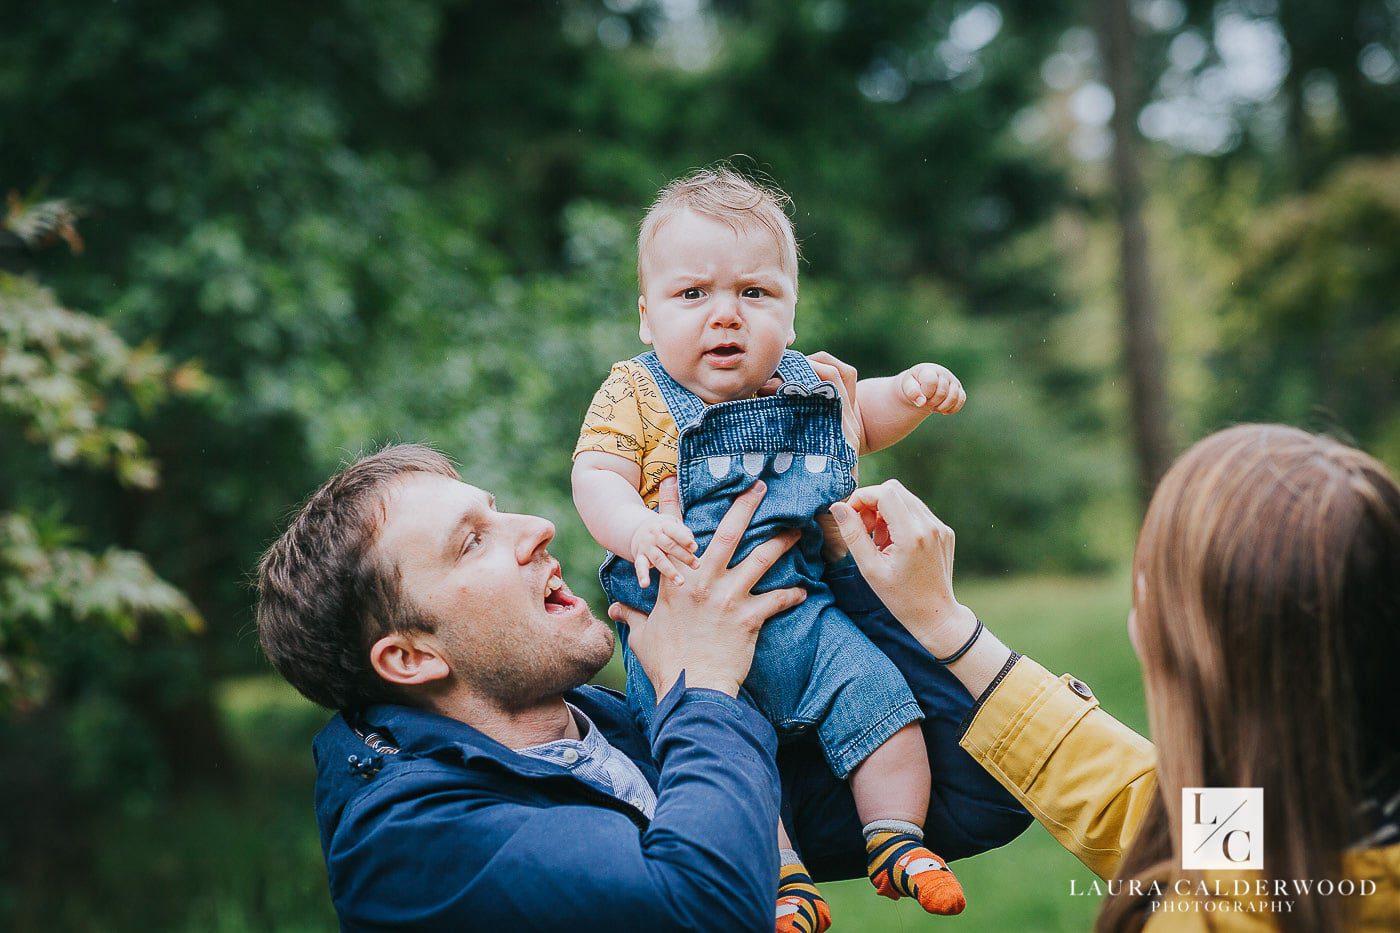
1268,621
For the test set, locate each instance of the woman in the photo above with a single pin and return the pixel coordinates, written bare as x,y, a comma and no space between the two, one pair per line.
1266,615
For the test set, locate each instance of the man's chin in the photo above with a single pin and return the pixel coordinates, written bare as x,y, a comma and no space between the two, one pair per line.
595,660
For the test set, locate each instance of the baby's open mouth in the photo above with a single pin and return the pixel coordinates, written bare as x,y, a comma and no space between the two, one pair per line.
727,351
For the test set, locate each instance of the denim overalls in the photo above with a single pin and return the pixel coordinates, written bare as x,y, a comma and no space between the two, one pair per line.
812,666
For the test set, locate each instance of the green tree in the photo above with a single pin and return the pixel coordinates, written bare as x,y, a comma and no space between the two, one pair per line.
63,606
1311,328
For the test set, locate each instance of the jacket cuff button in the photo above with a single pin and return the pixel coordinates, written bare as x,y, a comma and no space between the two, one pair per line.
1081,688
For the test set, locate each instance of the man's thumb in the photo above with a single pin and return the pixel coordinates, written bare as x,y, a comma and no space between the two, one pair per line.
626,614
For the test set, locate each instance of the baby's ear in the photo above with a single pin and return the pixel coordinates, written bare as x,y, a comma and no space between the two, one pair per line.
643,328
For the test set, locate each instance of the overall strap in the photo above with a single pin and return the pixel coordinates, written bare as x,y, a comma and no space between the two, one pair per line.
794,367
684,405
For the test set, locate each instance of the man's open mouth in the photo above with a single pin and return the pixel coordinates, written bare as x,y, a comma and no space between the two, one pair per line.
557,598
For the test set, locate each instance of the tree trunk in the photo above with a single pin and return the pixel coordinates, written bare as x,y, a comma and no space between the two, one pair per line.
1142,345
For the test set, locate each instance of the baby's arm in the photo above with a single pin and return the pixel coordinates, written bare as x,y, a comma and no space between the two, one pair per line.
893,406
605,494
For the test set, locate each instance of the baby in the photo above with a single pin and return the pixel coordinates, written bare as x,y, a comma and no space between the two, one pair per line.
717,270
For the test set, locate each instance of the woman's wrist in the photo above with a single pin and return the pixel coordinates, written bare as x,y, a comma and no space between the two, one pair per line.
945,630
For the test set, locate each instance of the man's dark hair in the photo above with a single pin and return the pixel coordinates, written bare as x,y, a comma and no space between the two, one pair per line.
323,597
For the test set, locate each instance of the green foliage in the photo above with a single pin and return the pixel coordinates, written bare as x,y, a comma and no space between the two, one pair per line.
1311,328
414,222
58,369
45,586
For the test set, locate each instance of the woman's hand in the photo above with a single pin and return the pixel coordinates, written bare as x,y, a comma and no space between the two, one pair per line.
708,624
905,553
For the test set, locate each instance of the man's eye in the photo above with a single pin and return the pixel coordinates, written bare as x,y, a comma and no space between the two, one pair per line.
753,291
692,294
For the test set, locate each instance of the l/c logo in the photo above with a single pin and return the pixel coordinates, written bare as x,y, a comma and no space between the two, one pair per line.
1222,827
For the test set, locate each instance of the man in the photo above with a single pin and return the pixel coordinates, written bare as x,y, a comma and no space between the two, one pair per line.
471,780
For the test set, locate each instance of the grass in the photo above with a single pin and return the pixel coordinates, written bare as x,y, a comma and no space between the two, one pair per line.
251,860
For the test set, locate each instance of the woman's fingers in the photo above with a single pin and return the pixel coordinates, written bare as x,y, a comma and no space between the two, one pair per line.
855,534
732,527
893,513
899,513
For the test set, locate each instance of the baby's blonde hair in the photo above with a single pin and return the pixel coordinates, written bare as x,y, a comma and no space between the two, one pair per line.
721,193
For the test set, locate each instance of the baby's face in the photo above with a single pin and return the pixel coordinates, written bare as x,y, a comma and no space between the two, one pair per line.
718,305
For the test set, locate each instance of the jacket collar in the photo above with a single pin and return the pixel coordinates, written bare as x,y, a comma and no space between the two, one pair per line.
420,733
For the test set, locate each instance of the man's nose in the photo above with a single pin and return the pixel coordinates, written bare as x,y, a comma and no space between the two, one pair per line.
535,534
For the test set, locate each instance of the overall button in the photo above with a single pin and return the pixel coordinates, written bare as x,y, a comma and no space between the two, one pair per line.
570,756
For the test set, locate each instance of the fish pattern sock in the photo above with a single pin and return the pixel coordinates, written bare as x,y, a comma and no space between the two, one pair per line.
801,908
900,865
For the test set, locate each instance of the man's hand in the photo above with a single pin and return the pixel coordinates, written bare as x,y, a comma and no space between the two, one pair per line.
660,540
932,388
707,624
844,377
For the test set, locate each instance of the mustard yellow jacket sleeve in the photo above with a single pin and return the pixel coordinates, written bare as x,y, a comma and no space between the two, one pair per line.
1084,775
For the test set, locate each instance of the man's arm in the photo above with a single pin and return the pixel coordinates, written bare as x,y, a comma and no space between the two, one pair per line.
450,856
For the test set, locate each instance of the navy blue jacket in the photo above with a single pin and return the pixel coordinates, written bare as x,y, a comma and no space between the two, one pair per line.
427,824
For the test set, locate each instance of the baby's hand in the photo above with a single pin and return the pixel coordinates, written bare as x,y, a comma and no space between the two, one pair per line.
658,541
931,387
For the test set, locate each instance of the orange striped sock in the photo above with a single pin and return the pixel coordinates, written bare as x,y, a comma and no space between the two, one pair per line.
900,866
801,908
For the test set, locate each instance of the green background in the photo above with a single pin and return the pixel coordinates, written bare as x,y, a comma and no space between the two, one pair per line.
245,242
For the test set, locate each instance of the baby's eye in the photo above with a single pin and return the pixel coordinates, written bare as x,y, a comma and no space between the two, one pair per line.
753,291
472,542
692,294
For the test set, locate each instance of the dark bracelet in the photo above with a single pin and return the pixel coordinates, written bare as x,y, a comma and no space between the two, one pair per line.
967,646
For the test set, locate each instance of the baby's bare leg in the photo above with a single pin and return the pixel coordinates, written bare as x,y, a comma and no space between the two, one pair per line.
893,783
891,790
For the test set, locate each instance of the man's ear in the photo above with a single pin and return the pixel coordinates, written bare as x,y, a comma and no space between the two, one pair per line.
405,658
643,329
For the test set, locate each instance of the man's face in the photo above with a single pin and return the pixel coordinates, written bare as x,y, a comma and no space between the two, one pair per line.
718,305
510,628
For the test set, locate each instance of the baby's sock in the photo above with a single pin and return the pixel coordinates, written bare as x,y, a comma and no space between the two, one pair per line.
801,908
899,865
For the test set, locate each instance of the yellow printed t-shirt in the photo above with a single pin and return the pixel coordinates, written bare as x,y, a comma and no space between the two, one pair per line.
629,418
